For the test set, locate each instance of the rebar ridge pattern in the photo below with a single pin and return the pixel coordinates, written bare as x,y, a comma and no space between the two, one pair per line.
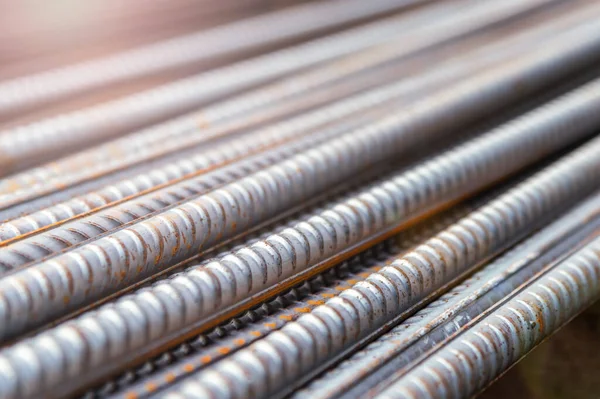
481,353
267,366
138,319
336,206
374,367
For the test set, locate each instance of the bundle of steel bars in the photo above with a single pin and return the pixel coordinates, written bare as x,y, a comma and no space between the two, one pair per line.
305,199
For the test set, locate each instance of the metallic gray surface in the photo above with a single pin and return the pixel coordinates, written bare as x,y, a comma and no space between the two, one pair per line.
313,127
138,320
388,358
244,249
482,352
271,364
44,291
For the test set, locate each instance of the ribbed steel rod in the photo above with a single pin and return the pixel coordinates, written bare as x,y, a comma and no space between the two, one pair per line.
189,163
186,131
253,33
369,370
101,223
244,142
139,322
260,322
481,353
47,139
99,268
44,245
280,359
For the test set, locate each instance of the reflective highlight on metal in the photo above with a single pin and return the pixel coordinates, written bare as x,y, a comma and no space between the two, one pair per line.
257,323
266,136
482,352
392,96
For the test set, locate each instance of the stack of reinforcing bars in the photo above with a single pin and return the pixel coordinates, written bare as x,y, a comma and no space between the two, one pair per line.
326,199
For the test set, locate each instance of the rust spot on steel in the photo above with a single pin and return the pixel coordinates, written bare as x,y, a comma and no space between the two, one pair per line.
150,387
205,359
224,350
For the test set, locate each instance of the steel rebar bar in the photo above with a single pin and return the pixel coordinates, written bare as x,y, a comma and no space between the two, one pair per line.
484,351
124,257
76,231
179,306
388,358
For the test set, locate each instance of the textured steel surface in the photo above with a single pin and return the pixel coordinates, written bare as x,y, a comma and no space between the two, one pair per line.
209,348
136,321
392,96
41,292
484,351
273,363
387,359
402,208
44,139
149,143
181,167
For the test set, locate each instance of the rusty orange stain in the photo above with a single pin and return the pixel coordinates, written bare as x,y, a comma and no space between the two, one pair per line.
286,317
205,359
315,302
270,325
223,350
255,333
188,367
302,310
151,387
239,341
